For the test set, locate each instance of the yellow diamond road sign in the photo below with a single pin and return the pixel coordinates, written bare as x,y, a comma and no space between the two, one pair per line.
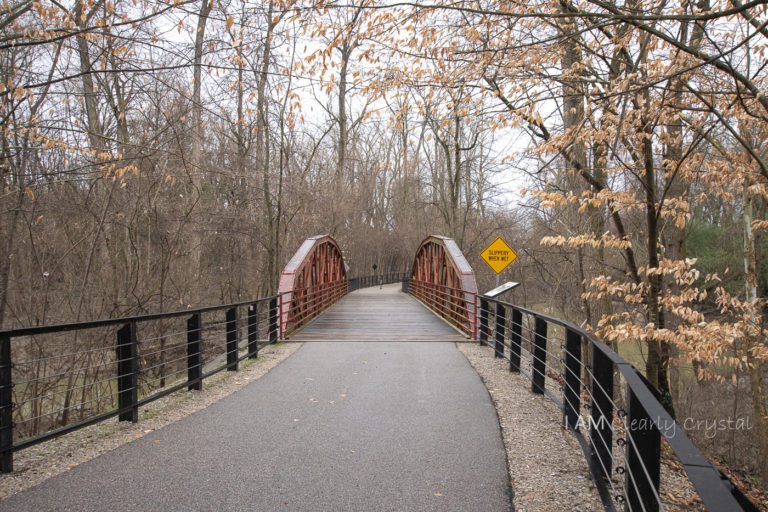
498,255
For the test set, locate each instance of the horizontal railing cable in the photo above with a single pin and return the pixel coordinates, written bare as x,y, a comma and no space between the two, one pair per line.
553,350
571,404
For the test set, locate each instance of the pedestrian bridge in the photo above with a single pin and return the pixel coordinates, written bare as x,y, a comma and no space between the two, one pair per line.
376,411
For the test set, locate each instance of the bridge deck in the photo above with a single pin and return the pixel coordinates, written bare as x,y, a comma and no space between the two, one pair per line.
374,314
337,426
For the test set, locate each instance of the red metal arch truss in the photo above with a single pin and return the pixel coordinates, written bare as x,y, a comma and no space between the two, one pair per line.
442,279
312,280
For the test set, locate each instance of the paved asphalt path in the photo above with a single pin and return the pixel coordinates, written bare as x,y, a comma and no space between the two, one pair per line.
347,426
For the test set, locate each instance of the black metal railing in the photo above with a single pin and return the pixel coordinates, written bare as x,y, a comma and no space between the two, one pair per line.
60,378
615,414
356,283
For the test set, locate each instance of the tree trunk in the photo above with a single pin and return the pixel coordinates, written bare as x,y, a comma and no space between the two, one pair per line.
342,116
197,194
657,364
756,368
262,149
95,130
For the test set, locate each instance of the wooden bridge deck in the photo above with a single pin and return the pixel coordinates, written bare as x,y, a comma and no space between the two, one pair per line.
378,314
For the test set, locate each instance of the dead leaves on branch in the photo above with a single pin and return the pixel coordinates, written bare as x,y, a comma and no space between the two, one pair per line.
733,340
607,240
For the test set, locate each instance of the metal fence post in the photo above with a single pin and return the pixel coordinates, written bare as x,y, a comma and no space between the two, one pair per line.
500,330
6,405
539,356
482,335
572,389
194,352
515,340
273,319
127,373
253,331
643,447
601,435
232,336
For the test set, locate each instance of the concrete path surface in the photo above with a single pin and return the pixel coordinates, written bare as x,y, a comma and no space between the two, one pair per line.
339,426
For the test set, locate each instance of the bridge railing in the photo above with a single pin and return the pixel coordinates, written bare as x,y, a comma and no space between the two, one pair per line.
457,307
615,414
59,378
299,306
356,283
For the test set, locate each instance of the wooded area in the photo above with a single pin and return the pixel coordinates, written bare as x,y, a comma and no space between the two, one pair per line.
157,155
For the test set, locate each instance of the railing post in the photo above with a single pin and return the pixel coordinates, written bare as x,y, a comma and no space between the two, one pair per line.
253,331
273,319
601,435
195,352
471,315
232,335
482,336
572,389
643,447
539,356
127,373
516,340
6,405
500,331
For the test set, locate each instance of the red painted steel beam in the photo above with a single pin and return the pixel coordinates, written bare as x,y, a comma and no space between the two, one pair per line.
313,279
442,278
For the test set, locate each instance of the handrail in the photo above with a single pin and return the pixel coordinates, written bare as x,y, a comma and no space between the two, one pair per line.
63,386
299,306
463,311
522,336
371,280
105,322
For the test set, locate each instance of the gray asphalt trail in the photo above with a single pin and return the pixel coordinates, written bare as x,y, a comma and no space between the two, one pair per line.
338,426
